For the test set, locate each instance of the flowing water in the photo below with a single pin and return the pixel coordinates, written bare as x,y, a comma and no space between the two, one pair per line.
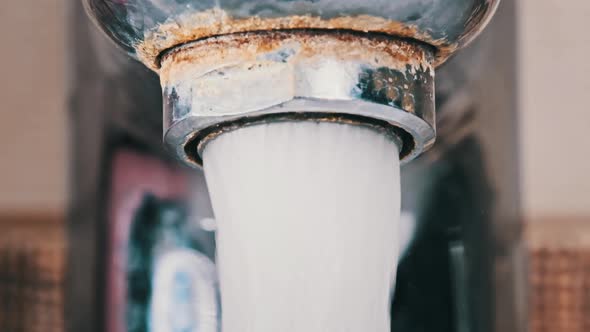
308,217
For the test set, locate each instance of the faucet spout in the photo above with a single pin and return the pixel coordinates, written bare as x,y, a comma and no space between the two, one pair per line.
222,83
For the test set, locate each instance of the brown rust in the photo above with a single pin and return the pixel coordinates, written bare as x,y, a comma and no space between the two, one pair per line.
217,22
379,51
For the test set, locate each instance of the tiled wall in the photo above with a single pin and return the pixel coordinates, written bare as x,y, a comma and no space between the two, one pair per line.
559,276
32,280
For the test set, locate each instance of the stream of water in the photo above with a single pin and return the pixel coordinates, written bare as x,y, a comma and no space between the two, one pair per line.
308,216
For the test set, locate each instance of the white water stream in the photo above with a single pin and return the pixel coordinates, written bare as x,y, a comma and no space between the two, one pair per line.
308,217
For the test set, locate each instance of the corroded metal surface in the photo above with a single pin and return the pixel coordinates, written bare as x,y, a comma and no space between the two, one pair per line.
216,22
394,53
214,83
224,61
146,28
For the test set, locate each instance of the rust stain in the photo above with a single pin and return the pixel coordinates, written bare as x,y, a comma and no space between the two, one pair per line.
247,48
216,22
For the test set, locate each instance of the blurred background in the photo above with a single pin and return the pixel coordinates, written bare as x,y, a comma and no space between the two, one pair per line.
36,167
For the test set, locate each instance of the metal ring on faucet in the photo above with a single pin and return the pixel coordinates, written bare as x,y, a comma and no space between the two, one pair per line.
220,83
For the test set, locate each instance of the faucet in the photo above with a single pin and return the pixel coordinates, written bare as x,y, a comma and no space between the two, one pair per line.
369,62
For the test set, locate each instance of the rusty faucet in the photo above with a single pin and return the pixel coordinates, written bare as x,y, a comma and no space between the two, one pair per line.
228,64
